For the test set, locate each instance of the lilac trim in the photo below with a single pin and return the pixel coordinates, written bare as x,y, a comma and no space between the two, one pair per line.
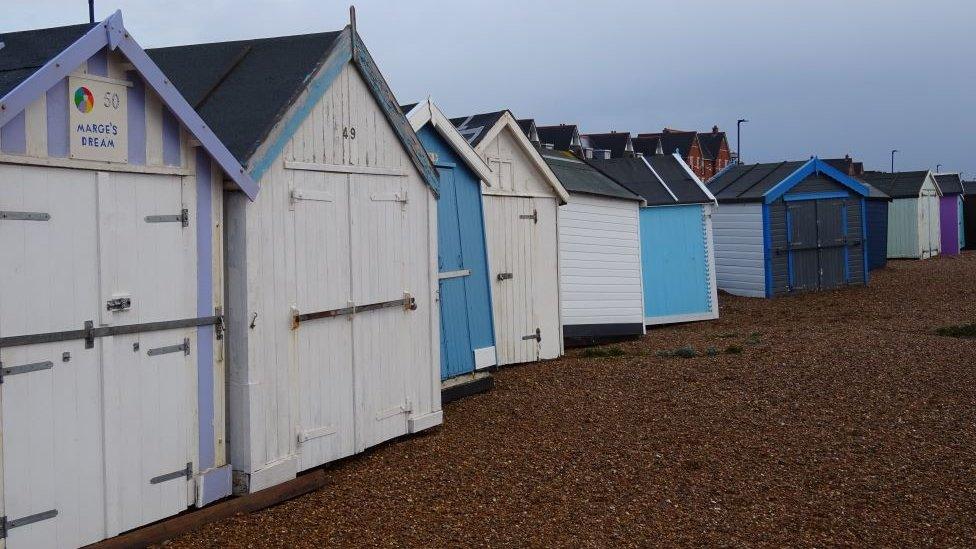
171,138
136,113
74,55
205,334
57,119
217,484
98,63
13,135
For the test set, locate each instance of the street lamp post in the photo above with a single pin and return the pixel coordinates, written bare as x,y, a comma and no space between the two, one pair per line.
893,151
738,139
938,168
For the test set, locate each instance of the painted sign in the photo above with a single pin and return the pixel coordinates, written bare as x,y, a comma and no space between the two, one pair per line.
98,128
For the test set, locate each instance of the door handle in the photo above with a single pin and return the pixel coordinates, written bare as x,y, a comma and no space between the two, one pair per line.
504,276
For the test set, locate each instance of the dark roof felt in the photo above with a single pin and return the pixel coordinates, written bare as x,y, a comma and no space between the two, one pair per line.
475,127
615,142
526,124
242,88
635,174
750,182
711,143
969,187
950,183
647,145
26,51
579,177
561,136
898,184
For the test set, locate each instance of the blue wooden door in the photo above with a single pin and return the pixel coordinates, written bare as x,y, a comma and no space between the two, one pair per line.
674,261
456,349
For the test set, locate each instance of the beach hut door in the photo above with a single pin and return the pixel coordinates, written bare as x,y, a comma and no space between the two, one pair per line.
803,261
832,241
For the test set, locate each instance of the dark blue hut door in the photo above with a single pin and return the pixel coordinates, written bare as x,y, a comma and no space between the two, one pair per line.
456,355
817,244
832,239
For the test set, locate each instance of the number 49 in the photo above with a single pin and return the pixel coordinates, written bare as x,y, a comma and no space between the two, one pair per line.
348,133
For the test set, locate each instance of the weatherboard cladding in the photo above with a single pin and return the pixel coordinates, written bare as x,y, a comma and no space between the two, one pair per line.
578,176
877,235
634,174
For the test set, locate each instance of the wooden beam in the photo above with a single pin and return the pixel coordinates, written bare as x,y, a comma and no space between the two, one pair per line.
194,520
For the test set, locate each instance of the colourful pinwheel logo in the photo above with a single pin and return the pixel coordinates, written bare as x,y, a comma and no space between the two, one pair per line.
84,100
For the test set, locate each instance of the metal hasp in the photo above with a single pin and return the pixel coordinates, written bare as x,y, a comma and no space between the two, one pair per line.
186,472
504,276
408,302
89,332
183,218
534,217
184,347
24,216
536,336
6,525
118,304
24,369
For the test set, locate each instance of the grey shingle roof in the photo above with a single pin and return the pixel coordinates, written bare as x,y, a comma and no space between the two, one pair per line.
749,182
579,177
615,142
898,184
476,126
242,88
949,183
561,136
26,51
634,174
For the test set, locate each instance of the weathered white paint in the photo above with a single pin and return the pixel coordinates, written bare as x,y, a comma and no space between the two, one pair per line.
739,255
359,235
599,261
523,186
914,230
86,436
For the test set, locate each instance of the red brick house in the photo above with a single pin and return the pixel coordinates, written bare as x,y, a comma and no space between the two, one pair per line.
706,153
715,147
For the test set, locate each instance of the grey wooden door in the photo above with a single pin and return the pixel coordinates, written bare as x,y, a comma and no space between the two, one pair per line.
832,240
804,258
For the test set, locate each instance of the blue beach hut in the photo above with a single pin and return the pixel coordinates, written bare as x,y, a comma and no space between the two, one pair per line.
467,334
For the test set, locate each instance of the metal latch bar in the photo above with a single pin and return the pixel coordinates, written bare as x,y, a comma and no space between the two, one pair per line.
89,332
454,274
408,302
505,276
186,472
24,369
7,525
185,347
24,216
534,216
536,336
182,218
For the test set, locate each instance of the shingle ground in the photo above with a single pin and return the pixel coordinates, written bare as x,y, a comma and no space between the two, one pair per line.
844,420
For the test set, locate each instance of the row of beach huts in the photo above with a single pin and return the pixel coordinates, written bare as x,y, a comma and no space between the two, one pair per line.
228,263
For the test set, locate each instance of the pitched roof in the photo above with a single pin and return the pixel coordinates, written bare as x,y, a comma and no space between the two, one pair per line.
674,140
426,113
476,126
660,180
950,183
711,143
615,142
560,137
26,51
648,146
969,187
242,88
750,182
898,184
528,128
579,177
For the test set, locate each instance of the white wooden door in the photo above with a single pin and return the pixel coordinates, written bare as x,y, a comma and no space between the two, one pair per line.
511,249
149,378
51,415
326,428
935,226
381,263
545,268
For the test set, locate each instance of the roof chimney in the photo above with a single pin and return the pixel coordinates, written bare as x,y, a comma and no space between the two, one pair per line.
715,129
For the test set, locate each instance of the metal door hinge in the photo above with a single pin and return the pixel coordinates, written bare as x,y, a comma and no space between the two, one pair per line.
186,473
183,218
24,369
185,347
504,276
219,324
534,217
6,525
536,336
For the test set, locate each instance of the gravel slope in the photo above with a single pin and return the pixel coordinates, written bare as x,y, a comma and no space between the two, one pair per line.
844,420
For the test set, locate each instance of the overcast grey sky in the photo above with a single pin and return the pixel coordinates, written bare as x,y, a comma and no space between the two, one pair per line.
824,77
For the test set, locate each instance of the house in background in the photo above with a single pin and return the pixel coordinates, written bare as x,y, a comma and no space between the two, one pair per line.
529,129
685,144
676,244
914,230
705,153
648,146
564,137
715,149
467,332
521,225
599,254
787,227
609,145
951,213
